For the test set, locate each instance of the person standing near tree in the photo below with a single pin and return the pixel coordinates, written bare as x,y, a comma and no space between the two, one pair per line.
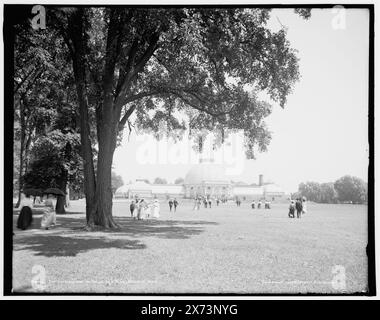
156,209
292,208
25,217
299,207
199,203
175,203
132,207
49,217
141,209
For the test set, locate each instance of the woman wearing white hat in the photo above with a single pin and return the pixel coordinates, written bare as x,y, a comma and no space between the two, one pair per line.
156,209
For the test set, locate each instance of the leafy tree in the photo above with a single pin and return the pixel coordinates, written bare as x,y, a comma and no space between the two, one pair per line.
351,188
328,193
179,181
345,189
310,190
33,72
159,180
117,182
149,65
55,162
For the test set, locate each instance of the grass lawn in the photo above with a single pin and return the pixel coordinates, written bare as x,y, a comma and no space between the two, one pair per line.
220,250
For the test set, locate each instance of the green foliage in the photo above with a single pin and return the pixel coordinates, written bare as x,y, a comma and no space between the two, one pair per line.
346,189
45,115
164,70
328,193
55,161
117,181
311,190
159,180
186,69
179,181
303,12
211,64
351,188
47,172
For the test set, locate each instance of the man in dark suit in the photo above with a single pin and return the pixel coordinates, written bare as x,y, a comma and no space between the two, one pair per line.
299,208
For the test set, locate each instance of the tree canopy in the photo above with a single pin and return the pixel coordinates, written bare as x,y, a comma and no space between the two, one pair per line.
117,181
159,180
179,180
351,189
345,189
168,71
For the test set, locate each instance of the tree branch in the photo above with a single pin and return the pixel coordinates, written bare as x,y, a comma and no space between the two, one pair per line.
124,119
120,100
197,107
18,86
113,48
131,58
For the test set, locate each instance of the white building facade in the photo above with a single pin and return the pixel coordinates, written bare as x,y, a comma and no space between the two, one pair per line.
205,179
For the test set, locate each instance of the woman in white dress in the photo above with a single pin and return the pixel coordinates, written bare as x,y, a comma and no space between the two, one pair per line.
142,210
304,208
155,209
49,218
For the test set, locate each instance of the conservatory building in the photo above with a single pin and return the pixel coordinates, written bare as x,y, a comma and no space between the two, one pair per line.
205,179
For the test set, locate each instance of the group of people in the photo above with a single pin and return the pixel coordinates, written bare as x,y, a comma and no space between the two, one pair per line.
141,209
207,202
27,204
297,206
173,204
259,204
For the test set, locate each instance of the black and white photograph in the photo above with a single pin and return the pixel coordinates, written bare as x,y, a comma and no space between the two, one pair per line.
189,149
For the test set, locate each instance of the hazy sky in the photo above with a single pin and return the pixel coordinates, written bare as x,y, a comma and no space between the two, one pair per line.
320,135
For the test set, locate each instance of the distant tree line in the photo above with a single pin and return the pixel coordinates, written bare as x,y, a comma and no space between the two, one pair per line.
347,189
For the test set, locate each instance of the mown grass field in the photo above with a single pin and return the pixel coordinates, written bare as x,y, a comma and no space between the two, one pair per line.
220,250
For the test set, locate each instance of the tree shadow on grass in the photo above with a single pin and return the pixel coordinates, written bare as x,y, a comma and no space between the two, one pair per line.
68,238
69,246
168,229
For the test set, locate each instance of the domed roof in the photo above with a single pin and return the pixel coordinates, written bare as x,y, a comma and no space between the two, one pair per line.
136,186
123,189
140,185
206,171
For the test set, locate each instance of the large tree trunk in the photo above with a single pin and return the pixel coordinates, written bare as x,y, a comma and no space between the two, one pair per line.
103,215
77,34
60,206
107,144
21,158
87,156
